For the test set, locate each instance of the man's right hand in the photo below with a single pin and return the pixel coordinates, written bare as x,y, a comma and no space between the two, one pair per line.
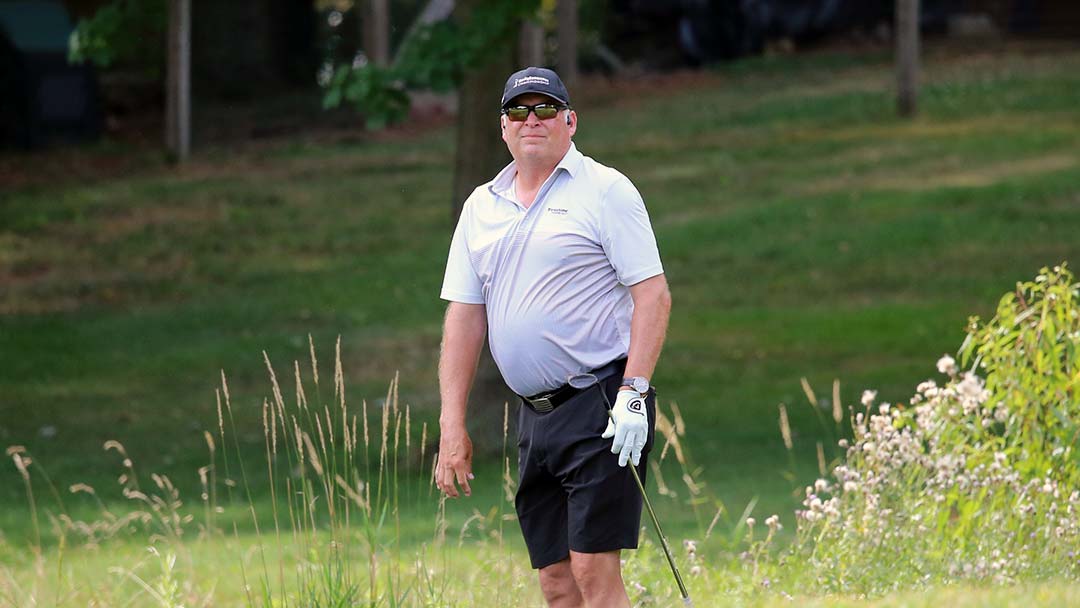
455,462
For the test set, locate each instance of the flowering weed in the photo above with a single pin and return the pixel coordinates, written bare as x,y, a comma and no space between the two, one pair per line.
973,479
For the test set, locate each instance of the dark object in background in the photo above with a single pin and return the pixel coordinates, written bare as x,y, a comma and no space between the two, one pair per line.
704,31
247,50
716,30
42,97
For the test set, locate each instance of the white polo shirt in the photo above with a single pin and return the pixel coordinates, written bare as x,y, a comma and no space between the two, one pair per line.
553,277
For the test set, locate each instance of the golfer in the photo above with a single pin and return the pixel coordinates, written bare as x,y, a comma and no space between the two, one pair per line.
555,260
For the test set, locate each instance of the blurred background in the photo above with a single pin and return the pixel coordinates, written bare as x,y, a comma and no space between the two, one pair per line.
187,184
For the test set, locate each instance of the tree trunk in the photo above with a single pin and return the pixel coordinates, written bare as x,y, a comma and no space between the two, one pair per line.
907,56
377,32
532,44
566,12
178,81
481,153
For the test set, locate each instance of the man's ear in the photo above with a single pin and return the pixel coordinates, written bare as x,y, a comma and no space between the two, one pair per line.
502,121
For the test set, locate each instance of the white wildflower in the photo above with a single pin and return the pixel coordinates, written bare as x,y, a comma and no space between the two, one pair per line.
947,365
868,397
971,387
326,73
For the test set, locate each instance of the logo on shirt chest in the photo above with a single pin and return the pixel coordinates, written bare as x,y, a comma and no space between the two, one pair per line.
557,211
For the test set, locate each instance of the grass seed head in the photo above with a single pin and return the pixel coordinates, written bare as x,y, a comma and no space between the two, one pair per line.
837,407
808,391
785,428
314,362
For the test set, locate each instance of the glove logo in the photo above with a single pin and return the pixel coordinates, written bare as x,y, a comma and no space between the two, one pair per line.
634,406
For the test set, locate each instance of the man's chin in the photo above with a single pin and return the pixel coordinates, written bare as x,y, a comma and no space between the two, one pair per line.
533,151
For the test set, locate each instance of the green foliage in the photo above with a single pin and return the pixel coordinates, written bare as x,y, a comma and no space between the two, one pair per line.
374,89
434,57
122,33
971,480
1031,354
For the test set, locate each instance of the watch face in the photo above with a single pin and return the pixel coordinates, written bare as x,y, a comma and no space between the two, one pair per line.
641,385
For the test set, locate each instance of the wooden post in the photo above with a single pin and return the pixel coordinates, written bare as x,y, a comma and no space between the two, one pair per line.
566,14
378,32
178,81
907,57
532,43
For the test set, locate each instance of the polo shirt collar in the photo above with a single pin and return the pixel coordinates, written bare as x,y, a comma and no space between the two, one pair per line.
504,181
571,161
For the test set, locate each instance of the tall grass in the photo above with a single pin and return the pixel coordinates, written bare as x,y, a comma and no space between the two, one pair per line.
319,522
973,481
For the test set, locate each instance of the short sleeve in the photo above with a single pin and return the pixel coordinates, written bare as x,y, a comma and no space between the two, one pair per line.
461,283
626,234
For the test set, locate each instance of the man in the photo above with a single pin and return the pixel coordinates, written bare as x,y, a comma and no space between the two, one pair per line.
556,258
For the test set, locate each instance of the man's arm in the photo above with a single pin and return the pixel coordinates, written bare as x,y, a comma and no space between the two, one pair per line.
648,326
463,337
628,424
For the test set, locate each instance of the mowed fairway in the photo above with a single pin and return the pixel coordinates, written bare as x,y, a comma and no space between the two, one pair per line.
805,230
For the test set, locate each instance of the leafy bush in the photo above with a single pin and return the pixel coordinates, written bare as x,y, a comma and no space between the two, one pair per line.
1031,354
433,57
975,479
123,32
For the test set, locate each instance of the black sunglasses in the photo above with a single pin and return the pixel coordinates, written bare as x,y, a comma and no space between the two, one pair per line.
543,111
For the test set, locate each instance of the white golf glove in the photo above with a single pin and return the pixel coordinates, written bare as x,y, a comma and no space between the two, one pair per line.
629,425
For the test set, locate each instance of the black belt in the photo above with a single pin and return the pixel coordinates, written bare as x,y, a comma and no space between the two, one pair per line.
545,402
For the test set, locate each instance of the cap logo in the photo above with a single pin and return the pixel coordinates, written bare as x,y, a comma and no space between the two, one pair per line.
531,80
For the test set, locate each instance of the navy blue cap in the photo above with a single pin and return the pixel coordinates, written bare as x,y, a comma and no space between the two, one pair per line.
535,80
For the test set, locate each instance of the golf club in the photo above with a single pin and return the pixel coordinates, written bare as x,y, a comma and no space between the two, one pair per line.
584,381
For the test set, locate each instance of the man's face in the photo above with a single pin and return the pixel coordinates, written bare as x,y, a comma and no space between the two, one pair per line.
534,139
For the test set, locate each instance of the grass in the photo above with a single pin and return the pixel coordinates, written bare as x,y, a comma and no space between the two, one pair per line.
806,232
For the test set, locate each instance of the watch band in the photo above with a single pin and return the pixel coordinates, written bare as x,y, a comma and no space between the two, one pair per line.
638,383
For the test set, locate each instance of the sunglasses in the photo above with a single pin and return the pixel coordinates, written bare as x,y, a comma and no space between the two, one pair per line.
543,111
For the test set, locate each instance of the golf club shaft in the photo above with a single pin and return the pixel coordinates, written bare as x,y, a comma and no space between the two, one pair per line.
660,533
652,514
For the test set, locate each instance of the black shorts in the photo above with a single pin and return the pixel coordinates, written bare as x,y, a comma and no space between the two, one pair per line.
572,494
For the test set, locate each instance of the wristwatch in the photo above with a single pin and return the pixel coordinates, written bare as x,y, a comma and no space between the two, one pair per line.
638,383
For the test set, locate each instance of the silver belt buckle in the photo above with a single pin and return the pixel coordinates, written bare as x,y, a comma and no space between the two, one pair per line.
542,405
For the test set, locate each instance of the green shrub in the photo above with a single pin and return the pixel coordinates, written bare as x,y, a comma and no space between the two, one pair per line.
122,32
1031,356
432,57
973,480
